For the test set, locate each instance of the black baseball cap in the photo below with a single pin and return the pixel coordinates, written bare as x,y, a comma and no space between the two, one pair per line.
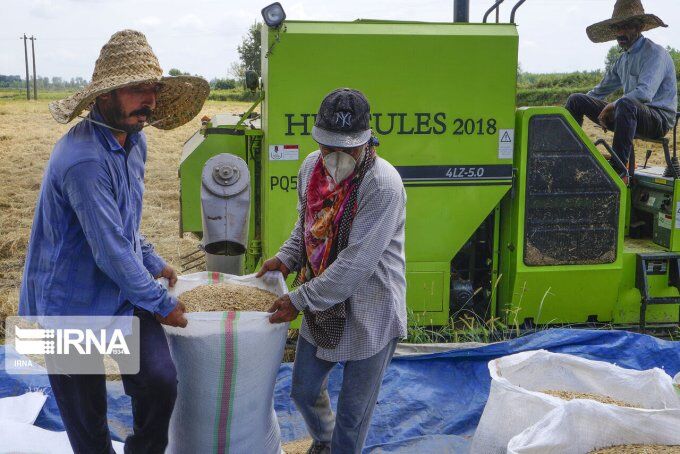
343,120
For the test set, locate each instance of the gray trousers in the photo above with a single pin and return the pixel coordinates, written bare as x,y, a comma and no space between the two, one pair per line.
345,432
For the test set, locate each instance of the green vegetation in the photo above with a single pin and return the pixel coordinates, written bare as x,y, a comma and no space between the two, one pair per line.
234,94
8,94
554,89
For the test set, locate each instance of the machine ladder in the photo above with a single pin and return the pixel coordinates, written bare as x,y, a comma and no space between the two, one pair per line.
656,263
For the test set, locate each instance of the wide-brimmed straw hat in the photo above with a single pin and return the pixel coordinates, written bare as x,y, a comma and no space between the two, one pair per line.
624,11
127,59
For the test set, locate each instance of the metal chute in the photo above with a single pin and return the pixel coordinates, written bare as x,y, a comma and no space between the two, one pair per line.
225,208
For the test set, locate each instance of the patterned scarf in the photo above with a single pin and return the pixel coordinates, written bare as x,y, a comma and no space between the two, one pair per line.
327,213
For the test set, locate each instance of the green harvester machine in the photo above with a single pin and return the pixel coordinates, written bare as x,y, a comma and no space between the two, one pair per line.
512,214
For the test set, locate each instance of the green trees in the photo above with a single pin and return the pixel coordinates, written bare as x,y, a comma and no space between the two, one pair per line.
613,55
177,72
249,49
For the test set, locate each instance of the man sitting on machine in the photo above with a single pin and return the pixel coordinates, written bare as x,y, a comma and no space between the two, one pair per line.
646,73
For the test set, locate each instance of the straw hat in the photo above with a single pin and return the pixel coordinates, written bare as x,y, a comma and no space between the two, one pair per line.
624,11
127,59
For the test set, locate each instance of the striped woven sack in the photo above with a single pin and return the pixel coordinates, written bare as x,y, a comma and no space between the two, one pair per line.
227,364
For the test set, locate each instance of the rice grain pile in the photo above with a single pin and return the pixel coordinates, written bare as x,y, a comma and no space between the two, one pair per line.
639,449
226,297
570,395
297,446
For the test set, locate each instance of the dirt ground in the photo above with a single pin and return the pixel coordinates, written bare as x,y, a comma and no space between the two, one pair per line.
27,135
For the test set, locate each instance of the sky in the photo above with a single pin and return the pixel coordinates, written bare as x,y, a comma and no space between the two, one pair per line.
201,36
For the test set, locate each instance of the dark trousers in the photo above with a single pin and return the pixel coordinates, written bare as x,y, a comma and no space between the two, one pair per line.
82,398
631,118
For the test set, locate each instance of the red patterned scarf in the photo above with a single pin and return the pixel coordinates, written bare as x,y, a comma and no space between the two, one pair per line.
327,214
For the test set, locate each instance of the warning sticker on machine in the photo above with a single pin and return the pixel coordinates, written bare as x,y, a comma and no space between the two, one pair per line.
506,143
284,152
677,215
664,221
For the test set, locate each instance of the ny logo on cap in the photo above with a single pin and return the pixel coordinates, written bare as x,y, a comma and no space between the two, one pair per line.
343,118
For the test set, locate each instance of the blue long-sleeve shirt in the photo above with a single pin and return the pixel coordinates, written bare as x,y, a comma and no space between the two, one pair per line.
646,73
86,255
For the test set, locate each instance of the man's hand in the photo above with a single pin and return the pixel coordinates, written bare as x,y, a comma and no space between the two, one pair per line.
169,273
273,264
174,318
283,310
606,116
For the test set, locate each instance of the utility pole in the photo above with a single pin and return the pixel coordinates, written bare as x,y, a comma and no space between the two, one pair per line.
35,85
28,88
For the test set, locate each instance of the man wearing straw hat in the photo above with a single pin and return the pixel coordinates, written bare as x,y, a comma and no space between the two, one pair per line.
86,256
646,73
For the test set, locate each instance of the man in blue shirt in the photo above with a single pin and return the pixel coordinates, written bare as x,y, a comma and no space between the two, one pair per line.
86,256
646,73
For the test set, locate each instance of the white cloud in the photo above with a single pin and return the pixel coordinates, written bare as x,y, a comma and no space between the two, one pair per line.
149,22
189,22
45,9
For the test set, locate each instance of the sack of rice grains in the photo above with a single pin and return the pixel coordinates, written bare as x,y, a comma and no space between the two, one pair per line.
586,427
227,359
526,386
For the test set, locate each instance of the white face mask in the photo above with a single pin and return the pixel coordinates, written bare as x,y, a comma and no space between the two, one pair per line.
340,165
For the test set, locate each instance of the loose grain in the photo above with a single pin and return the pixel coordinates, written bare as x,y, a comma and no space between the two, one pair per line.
227,297
570,395
298,446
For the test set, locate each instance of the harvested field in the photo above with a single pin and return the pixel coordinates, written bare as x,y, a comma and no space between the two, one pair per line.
297,446
639,449
227,297
570,395
28,134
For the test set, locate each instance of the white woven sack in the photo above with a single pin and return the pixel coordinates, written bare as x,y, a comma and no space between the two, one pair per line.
227,364
19,435
582,426
516,403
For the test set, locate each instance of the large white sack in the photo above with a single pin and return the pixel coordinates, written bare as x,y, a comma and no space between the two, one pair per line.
227,364
24,408
582,426
19,435
516,403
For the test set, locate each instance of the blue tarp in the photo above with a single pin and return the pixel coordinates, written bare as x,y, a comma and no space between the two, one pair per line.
428,403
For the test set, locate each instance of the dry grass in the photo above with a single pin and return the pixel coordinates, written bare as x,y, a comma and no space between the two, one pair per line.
27,135
657,159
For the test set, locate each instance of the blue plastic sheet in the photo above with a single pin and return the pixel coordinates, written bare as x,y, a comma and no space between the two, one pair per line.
428,403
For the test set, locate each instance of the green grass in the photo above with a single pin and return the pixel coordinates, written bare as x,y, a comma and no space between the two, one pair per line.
12,94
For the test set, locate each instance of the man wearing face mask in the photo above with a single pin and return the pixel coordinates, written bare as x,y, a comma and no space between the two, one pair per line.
348,249
646,73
